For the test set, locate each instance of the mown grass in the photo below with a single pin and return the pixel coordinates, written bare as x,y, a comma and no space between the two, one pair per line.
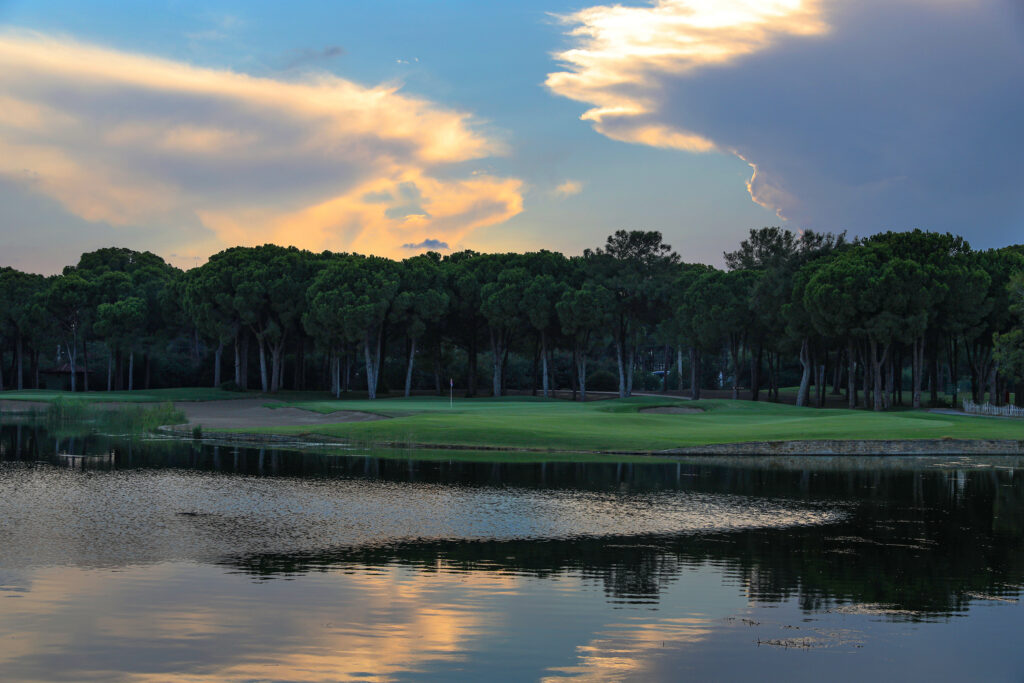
140,396
621,425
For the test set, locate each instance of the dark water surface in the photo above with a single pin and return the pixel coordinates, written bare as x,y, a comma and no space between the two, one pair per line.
154,560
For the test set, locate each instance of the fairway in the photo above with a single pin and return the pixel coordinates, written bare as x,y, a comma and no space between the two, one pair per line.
622,425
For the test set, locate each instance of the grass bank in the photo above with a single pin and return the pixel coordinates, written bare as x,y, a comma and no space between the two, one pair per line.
139,396
62,414
624,425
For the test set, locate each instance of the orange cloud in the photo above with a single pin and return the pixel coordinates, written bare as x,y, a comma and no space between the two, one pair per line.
133,140
622,53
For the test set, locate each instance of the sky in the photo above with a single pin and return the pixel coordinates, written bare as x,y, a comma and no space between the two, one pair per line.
394,127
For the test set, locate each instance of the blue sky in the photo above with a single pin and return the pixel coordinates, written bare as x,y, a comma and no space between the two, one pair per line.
815,94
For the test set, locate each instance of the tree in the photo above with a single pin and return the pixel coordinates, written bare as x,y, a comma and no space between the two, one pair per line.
717,308
119,322
67,300
501,303
636,266
350,300
18,315
420,303
880,298
584,314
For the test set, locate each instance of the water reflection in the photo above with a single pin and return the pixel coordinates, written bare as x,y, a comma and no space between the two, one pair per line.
204,560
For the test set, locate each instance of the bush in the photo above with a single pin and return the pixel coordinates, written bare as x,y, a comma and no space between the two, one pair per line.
649,381
230,385
602,380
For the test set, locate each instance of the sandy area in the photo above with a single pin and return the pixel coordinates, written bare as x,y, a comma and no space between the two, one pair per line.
672,410
244,413
22,406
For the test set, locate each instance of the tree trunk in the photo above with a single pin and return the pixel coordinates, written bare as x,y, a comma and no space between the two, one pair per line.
471,369
216,363
131,370
238,363
504,364
630,353
695,373
371,349
917,370
437,369
536,366
622,370
755,373
876,364
679,366
664,369
823,374
245,361
264,380
544,364
299,376
347,380
110,368
552,385
581,373
851,376
408,371
276,366
85,363
72,354
19,353
805,378
993,392
496,351
35,368
734,352
885,386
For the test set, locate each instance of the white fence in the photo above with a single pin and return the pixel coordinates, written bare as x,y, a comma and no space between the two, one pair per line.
989,409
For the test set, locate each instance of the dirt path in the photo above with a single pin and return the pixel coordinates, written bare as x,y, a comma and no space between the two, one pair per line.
247,413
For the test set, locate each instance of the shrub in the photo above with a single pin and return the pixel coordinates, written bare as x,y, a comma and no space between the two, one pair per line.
602,380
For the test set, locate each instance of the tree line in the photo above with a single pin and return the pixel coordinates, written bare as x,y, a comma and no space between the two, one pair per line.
875,317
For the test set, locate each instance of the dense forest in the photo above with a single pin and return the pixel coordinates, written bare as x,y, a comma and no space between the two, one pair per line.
881,318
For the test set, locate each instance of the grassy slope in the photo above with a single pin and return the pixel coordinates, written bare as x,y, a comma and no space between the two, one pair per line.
140,396
619,425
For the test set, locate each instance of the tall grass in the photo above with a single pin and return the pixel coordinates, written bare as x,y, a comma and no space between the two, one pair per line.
127,419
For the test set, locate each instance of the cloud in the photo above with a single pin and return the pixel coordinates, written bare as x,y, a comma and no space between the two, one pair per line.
321,163
428,243
568,188
867,115
308,56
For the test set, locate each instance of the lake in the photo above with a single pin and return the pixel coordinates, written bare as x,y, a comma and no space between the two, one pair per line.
156,560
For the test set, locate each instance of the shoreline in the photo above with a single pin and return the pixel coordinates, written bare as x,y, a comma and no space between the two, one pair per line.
811,447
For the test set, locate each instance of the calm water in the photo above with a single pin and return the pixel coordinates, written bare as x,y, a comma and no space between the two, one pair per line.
159,560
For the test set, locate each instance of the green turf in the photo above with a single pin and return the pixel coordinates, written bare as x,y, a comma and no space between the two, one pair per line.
620,425
140,396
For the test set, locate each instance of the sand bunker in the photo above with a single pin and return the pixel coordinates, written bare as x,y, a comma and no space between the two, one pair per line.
672,410
245,413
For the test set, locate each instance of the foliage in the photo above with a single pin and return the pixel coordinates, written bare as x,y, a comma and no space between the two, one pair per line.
859,314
